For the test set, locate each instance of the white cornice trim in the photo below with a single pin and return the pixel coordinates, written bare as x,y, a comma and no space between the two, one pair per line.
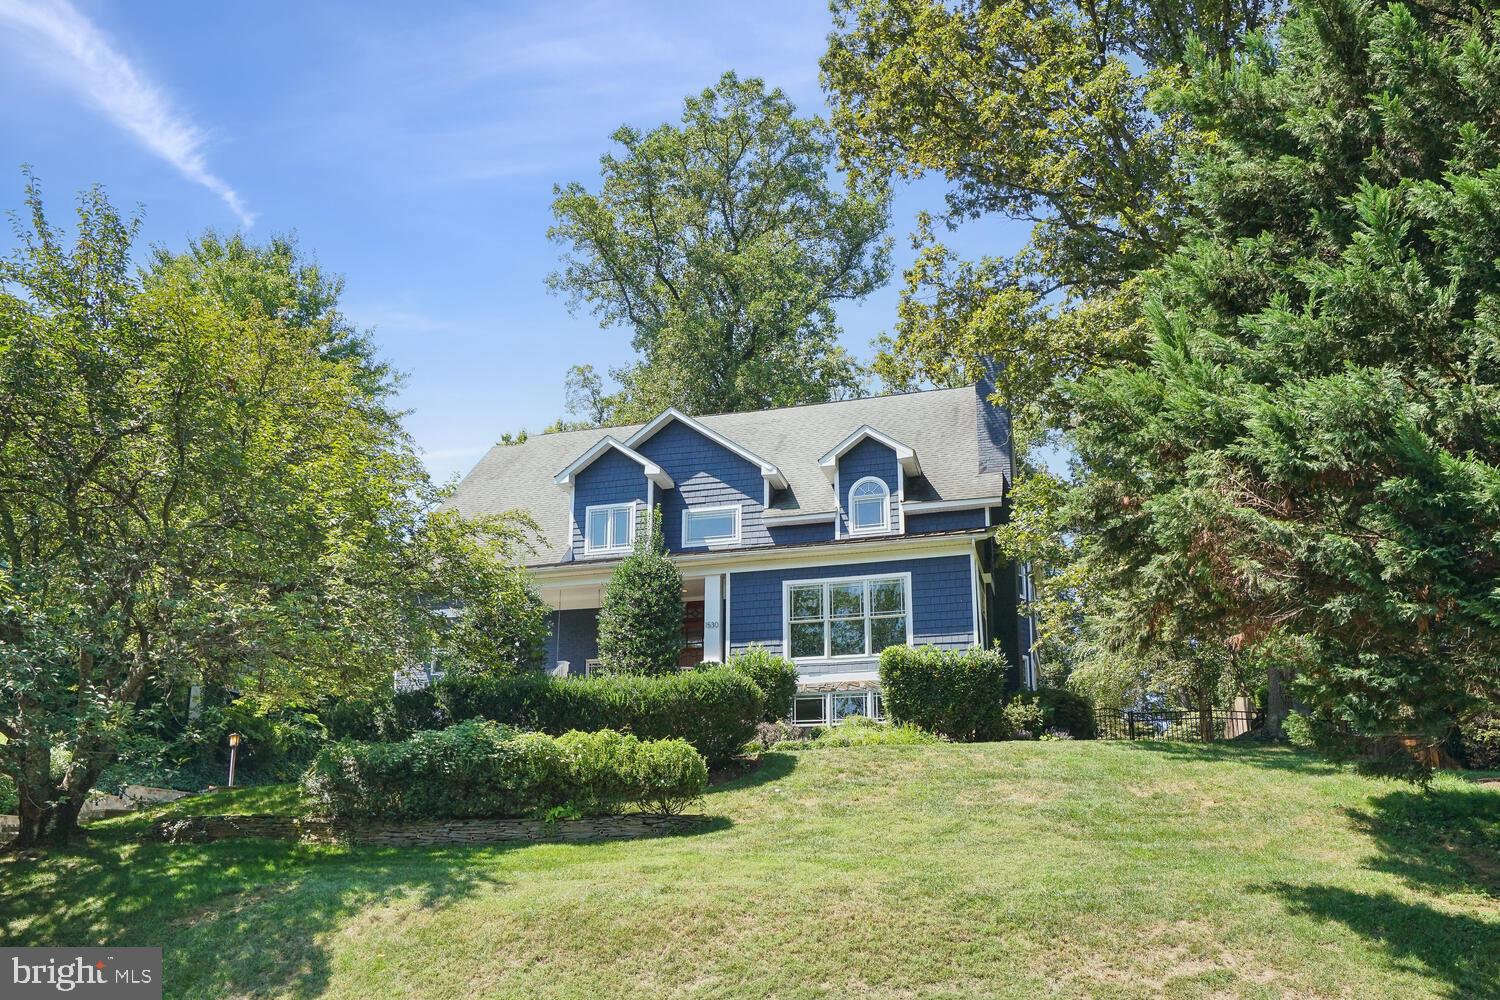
653,471
784,520
771,557
829,463
936,506
768,470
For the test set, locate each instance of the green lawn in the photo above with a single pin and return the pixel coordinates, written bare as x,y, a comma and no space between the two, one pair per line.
1010,870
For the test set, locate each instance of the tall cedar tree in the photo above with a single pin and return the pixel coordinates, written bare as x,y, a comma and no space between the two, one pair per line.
1312,455
640,618
723,246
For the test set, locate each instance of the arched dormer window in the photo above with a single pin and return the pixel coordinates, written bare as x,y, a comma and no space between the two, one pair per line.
869,506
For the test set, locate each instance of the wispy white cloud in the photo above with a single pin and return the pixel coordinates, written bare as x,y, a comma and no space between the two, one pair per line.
74,49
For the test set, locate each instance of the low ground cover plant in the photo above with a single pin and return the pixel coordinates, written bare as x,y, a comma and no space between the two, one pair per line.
480,769
861,732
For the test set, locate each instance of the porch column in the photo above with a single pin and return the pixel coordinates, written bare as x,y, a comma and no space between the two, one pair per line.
713,619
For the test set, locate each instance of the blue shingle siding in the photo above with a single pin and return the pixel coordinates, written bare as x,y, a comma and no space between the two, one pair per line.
947,520
575,638
612,478
706,474
942,599
868,458
796,534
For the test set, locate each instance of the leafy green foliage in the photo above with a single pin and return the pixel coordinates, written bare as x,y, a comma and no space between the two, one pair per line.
1069,711
862,732
480,769
724,247
202,477
957,693
714,709
775,675
640,617
1311,458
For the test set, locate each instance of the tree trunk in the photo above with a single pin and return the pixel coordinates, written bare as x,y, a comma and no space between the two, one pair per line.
1206,717
1276,704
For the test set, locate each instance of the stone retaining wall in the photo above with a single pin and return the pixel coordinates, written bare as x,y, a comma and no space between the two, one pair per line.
425,833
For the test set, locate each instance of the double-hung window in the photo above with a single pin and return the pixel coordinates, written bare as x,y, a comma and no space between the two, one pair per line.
846,618
609,528
710,527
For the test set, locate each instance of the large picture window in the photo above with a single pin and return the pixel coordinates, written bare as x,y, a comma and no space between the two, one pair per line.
609,528
830,619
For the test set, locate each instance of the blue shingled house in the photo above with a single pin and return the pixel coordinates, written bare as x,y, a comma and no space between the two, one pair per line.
825,532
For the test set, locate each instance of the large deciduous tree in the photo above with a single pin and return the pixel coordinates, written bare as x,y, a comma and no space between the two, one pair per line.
1311,458
201,477
723,245
1034,111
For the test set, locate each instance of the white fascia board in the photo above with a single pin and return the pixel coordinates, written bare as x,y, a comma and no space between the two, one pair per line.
937,506
784,520
829,463
768,470
770,557
653,471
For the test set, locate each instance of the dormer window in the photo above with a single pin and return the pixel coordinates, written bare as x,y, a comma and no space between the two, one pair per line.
609,528
869,506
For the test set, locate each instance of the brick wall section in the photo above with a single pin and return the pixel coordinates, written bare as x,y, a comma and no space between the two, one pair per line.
946,520
612,478
941,599
868,458
707,474
429,833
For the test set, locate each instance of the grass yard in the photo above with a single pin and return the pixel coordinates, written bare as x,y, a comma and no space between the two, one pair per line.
999,870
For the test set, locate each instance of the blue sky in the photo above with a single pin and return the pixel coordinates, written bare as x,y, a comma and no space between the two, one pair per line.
411,147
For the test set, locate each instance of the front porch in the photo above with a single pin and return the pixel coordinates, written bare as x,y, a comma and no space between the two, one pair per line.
573,647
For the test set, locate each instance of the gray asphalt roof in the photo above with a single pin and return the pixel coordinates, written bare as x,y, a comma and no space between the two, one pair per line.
940,425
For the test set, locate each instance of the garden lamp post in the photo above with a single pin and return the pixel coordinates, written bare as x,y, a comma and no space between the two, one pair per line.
234,751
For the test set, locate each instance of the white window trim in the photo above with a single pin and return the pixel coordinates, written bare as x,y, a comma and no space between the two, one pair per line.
589,548
884,527
786,615
713,543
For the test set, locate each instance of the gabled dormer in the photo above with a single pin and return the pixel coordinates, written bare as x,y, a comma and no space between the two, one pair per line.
610,486
722,486
868,470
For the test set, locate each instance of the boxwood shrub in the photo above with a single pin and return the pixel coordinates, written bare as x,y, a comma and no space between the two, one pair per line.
480,769
775,675
957,693
715,710
1066,709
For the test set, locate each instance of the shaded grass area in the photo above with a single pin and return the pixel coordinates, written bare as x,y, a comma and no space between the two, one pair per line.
1002,870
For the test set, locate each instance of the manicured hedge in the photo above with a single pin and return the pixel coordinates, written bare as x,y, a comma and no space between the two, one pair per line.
776,677
957,693
480,769
715,709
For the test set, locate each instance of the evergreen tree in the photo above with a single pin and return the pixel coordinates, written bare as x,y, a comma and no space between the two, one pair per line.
640,618
1311,459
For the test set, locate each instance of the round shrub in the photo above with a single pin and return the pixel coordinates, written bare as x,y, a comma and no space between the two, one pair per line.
669,775
1065,709
775,675
601,769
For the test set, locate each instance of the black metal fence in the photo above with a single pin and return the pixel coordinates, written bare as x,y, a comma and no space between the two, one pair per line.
1174,724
